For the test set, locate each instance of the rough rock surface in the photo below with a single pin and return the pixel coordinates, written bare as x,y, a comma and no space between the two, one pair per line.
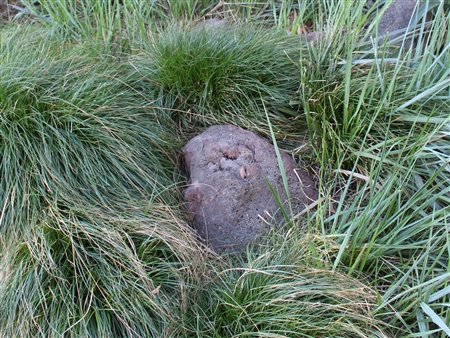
227,194
397,17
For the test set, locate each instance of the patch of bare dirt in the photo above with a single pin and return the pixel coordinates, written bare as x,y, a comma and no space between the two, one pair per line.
7,9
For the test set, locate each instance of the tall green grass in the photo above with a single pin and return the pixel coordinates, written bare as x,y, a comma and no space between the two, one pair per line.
89,242
70,123
92,273
377,116
285,288
95,108
218,74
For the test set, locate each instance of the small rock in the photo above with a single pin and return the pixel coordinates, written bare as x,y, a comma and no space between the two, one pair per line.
396,18
227,194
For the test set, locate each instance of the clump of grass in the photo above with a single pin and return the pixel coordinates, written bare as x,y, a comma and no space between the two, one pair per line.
87,272
286,289
394,227
71,126
113,23
220,74
87,172
351,78
72,19
377,114
117,20
339,82
88,242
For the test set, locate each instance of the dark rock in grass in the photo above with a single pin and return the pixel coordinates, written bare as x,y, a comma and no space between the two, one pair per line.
227,194
396,18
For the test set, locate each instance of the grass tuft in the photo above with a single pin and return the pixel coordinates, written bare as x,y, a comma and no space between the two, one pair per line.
279,290
88,241
92,273
96,100
219,74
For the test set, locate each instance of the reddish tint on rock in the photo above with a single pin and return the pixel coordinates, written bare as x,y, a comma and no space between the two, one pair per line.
227,194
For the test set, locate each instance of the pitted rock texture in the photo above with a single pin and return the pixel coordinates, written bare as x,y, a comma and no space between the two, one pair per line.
227,194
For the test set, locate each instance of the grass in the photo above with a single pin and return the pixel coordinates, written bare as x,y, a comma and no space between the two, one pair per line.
213,75
87,273
281,289
96,101
85,196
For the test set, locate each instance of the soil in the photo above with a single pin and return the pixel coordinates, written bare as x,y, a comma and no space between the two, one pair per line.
7,11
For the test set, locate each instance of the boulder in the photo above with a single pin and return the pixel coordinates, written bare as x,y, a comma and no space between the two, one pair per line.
396,18
227,195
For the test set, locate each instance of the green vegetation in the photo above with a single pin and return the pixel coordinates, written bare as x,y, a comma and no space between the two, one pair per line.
212,72
98,97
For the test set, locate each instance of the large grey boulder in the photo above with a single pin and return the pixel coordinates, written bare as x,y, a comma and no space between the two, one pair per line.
227,195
